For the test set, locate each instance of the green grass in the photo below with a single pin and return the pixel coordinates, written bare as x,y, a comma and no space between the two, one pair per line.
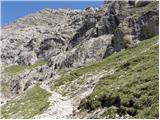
15,69
3,86
133,88
108,63
139,11
33,102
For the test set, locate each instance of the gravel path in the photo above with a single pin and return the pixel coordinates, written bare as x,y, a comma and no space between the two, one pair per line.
64,107
60,107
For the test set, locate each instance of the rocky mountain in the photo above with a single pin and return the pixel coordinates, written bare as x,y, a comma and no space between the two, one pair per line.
92,63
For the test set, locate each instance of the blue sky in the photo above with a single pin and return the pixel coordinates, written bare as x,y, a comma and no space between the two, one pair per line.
12,10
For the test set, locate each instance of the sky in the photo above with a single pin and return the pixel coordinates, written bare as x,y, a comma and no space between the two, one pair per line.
12,10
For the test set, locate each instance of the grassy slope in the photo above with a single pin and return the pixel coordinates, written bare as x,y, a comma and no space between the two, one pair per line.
139,11
15,69
3,86
133,88
27,105
110,62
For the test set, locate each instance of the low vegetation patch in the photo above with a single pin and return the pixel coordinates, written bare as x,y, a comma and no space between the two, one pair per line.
139,11
3,86
14,69
27,105
133,88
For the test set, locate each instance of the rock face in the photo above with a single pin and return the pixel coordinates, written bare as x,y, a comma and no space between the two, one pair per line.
71,38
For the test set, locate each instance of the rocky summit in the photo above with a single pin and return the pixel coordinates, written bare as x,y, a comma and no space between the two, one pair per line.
91,63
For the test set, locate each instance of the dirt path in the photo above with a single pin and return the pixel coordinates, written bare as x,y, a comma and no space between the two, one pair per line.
64,107
60,107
